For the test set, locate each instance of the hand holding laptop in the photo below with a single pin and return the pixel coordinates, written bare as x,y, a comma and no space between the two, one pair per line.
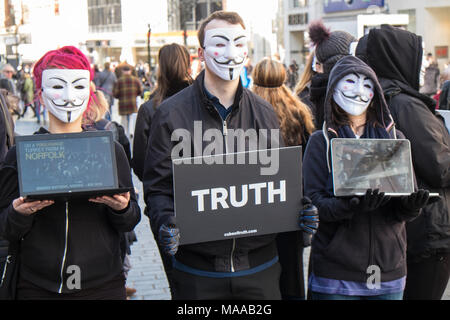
117,202
28,208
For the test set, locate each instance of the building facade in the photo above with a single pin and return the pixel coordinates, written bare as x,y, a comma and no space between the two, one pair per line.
428,18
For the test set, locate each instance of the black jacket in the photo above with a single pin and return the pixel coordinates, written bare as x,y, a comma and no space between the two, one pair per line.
348,242
317,90
143,124
76,232
180,111
6,142
397,65
141,136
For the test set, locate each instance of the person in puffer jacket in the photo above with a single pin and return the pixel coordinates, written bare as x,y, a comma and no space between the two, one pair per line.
356,234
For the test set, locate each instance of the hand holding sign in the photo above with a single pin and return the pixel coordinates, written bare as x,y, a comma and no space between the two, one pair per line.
28,208
415,200
372,200
169,238
309,217
117,202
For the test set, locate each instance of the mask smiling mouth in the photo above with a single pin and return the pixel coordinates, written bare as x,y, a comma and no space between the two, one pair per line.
72,105
357,98
230,62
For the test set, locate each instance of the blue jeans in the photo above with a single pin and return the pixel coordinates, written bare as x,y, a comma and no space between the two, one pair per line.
326,296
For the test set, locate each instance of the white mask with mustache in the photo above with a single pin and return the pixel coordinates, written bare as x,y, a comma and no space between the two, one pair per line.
353,93
225,51
65,92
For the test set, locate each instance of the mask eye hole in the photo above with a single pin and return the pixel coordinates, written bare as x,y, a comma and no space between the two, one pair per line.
368,86
79,87
350,80
57,86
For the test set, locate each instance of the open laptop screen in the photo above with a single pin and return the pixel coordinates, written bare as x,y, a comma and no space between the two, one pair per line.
66,163
361,164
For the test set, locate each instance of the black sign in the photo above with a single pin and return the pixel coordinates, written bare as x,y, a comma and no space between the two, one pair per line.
224,198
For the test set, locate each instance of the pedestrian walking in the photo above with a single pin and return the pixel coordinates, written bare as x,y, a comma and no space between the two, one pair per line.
27,94
396,57
243,268
330,46
355,233
431,77
88,234
296,126
6,79
127,89
105,81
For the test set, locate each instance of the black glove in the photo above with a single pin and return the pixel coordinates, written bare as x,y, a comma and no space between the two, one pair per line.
372,200
169,239
309,217
415,200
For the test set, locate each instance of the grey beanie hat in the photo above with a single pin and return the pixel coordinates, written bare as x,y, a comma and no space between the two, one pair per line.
330,46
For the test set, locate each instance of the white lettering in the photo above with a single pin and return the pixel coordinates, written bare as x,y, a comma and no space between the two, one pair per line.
200,200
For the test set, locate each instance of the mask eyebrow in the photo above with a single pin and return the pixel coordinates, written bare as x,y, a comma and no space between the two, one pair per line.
239,38
59,79
223,37
79,80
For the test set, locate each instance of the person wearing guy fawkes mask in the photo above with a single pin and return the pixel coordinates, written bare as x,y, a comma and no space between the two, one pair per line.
244,268
396,57
355,233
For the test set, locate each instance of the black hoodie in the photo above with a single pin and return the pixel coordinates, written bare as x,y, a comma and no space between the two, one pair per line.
396,55
65,234
348,242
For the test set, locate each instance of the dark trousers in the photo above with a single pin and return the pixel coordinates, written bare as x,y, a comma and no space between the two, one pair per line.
263,285
427,278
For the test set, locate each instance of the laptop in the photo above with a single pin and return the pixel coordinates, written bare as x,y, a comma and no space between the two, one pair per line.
361,164
67,166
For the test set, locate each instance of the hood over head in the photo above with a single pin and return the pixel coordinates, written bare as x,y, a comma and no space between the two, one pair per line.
348,65
395,54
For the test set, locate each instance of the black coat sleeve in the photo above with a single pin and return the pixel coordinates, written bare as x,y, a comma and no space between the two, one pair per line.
158,175
128,218
141,136
13,225
316,182
430,142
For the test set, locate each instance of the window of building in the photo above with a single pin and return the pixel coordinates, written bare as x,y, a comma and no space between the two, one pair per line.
295,19
192,12
105,15
412,19
299,3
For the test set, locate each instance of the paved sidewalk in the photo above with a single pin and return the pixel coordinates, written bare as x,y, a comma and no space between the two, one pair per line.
147,273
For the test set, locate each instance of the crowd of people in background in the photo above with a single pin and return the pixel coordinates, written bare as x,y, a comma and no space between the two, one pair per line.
399,93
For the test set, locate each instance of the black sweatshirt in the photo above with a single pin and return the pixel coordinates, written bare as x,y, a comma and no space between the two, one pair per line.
77,232
348,242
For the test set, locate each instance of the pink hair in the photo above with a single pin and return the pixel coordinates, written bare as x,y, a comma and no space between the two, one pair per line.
67,57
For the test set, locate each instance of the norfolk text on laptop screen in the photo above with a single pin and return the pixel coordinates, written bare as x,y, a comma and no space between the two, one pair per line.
66,164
